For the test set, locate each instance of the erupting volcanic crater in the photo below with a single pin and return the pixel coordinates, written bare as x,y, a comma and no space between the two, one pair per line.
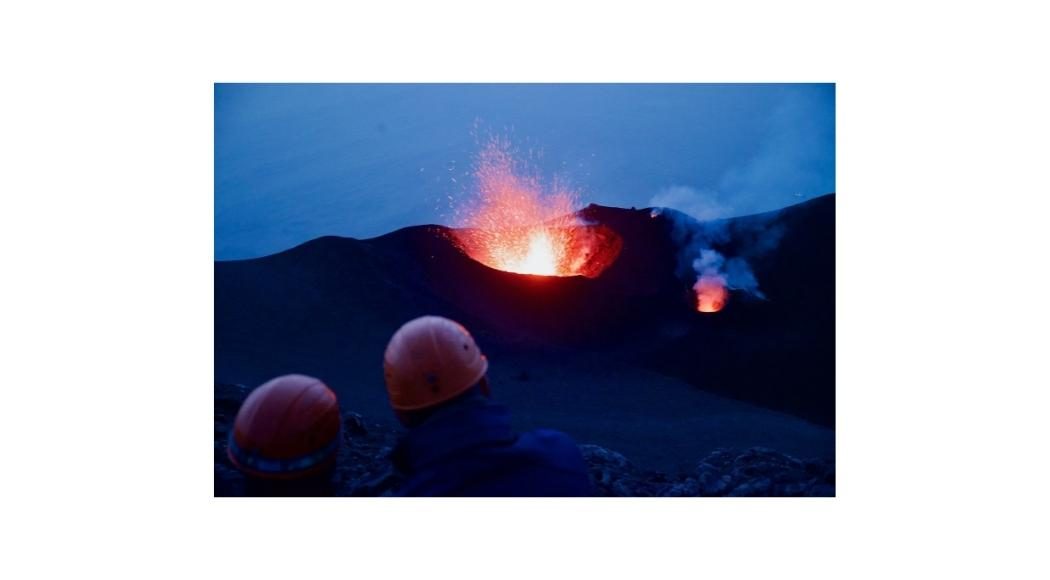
516,223
545,250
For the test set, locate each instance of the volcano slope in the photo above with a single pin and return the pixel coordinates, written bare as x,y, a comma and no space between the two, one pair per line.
622,360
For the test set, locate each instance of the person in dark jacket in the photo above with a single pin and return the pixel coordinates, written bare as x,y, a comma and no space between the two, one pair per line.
458,441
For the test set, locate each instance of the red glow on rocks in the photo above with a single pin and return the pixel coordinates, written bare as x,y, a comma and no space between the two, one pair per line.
711,293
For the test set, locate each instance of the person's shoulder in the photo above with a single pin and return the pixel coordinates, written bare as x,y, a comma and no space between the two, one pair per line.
552,435
552,441
562,462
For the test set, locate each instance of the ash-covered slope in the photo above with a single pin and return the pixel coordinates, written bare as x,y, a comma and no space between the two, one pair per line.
327,308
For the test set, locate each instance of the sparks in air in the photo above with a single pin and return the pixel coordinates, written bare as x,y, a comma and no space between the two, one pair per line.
514,223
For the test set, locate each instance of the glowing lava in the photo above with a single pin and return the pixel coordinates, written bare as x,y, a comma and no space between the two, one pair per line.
711,293
540,257
514,225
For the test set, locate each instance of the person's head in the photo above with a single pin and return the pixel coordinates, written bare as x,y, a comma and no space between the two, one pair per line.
430,362
287,433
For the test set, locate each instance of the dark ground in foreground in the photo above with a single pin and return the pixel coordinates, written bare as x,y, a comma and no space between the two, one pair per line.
364,468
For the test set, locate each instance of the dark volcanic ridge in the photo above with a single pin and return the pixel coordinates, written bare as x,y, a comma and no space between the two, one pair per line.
622,360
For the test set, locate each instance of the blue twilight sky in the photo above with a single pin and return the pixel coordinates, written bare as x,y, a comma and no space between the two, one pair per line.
293,162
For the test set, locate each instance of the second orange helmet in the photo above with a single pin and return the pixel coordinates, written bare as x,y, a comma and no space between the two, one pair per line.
430,360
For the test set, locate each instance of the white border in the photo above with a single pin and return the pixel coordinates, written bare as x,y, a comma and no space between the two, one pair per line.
107,237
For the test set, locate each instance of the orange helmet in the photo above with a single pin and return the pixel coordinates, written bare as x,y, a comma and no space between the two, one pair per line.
430,360
286,429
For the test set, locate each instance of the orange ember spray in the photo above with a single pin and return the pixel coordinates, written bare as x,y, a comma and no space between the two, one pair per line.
516,226
711,293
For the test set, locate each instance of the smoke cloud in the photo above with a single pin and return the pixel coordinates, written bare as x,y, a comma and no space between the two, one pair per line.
703,204
792,160
702,256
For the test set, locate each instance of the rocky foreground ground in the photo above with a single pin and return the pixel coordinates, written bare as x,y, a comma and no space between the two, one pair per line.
364,468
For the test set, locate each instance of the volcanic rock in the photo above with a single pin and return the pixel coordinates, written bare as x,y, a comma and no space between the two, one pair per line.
364,468
621,360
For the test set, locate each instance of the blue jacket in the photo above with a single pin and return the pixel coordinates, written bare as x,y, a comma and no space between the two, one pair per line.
469,449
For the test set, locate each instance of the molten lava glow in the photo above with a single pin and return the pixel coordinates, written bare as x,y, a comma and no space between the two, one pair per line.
711,293
513,224
540,257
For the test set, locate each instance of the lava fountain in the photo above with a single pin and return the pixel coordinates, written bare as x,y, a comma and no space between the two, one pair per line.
514,224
